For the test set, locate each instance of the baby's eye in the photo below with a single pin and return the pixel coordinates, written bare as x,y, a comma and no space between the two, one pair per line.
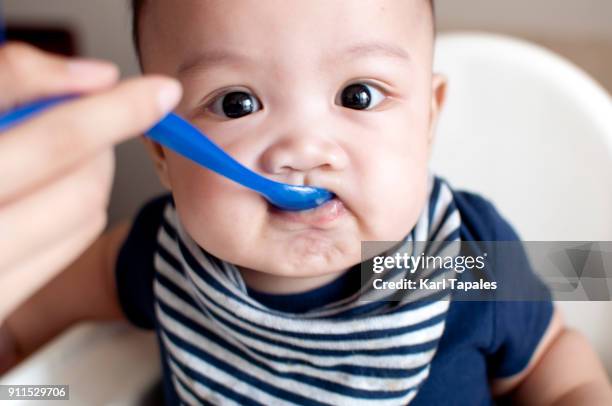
235,104
360,96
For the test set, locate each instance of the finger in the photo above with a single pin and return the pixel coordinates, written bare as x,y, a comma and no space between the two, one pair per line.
53,142
27,73
34,222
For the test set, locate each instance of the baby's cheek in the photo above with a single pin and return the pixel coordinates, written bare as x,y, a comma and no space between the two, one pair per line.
216,212
391,193
221,226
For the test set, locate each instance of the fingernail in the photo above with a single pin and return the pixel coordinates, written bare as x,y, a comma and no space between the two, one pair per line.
169,95
86,67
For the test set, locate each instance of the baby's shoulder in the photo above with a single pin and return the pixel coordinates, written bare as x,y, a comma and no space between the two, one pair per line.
486,234
153,209
134,267
481,220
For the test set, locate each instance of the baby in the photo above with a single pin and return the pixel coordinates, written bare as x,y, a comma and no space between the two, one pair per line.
253,305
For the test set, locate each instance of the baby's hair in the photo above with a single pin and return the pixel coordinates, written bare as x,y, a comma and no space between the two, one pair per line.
137,6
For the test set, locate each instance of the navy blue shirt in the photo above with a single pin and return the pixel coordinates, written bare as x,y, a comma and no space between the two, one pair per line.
482,340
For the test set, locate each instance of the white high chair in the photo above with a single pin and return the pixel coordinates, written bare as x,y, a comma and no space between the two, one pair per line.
532,133
521,126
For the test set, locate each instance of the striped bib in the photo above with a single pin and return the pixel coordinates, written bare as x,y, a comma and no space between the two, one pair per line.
225,348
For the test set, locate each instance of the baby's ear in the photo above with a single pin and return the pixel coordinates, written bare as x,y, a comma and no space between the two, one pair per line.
439,84
159,160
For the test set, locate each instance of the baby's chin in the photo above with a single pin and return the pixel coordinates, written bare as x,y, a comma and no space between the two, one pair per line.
293,249
306,256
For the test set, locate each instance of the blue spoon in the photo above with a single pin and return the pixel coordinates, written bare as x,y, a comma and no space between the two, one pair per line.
177,134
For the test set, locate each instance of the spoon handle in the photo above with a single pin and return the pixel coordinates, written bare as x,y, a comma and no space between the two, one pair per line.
182,137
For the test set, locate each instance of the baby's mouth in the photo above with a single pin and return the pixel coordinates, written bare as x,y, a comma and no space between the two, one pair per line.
320,217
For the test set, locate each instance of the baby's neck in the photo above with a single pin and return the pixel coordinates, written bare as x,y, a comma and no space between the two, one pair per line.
268,283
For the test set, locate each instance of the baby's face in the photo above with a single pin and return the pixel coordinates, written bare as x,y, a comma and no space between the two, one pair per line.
334,94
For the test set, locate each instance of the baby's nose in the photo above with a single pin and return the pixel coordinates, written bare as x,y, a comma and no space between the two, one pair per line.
303,153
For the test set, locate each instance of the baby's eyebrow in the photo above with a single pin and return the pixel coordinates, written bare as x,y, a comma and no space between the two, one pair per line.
366,49
213,57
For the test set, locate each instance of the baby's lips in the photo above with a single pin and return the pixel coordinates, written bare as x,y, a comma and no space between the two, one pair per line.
317,217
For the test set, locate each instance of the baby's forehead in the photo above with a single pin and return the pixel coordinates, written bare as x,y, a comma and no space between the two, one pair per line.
284,27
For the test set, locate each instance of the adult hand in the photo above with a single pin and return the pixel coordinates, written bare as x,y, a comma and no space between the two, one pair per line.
56,169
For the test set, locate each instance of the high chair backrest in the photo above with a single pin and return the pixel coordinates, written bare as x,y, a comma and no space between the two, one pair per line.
533,133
